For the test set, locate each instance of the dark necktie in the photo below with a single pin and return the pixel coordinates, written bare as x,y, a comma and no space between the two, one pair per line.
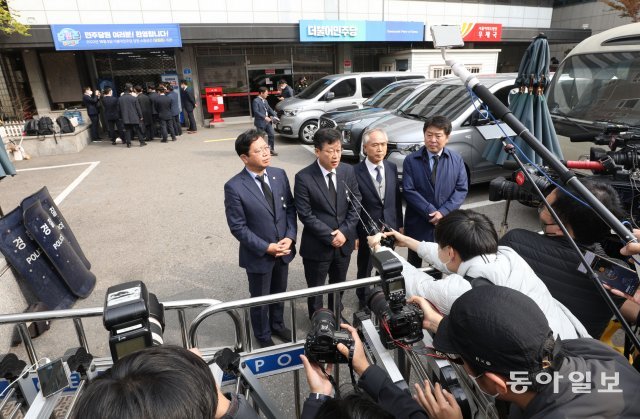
266,190
333,195
379,180
434,169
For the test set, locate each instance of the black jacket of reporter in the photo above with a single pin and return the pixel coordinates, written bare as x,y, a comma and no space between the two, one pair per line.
376,382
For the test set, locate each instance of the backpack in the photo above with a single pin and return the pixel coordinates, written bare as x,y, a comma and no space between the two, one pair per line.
45,126
31,127
65,124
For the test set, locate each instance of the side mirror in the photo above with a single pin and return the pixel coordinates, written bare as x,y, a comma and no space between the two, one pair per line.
329,96
478,119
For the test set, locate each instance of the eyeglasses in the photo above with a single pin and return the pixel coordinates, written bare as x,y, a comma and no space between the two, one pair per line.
332,151
262,150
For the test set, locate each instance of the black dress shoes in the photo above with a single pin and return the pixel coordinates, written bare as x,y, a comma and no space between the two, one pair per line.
283,334
265,343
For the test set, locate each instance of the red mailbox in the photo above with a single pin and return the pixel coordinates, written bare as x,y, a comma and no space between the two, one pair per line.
215,103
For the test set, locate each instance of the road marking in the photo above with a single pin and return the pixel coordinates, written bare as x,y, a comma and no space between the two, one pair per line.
56,167
309,148
217,141
479,204
76,182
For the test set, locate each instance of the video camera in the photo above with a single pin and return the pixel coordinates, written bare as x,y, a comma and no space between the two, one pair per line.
324,337
519,188
399,322
134,318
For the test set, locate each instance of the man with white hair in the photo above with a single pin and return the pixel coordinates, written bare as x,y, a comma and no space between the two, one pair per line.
378,183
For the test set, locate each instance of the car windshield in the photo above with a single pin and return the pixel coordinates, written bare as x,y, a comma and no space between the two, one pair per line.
315,88
602,87
391,96
438,99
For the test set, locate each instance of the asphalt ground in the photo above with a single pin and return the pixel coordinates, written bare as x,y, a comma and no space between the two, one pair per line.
156,214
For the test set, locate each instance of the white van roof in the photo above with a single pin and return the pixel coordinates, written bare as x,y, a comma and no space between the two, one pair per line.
620,39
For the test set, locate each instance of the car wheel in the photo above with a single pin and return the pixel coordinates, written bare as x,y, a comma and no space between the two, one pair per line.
307,131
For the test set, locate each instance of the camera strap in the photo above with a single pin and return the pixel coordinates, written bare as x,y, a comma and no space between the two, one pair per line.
329,377
352,349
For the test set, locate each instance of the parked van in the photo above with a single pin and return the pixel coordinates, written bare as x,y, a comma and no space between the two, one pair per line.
598,84
447,96
299,115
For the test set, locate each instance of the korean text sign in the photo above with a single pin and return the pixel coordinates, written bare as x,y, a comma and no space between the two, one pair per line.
92,37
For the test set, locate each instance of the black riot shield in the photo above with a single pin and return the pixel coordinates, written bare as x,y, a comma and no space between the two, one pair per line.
51,208
31,264
55,244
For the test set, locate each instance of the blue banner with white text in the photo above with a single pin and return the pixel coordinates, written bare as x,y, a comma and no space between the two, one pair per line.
95,37
360,31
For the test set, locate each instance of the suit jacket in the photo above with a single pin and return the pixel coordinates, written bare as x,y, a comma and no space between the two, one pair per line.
261,110
130,111
391,211
188,99
422,198
146,107
163,106
91,103
286,92
153,96
111,108
175,102
252,221
319,217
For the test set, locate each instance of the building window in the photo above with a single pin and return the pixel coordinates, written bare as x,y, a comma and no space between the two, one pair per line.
437,71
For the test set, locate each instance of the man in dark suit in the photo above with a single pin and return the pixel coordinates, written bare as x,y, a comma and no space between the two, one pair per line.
285,90
147,112
434,183
153,95
176,108
263,117
163,106
378,183
90,100
188,105
329,234
112,115
261,214
131,115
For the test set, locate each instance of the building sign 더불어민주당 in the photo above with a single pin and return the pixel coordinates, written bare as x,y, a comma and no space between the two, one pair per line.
96,37
481,32
360,31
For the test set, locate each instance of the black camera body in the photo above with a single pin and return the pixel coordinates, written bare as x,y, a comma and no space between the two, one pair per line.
322,341
399,321
134,318
519,188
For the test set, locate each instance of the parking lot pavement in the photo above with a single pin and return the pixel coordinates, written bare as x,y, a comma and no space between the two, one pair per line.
156,214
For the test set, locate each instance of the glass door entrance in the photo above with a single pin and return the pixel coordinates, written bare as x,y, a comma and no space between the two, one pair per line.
268,76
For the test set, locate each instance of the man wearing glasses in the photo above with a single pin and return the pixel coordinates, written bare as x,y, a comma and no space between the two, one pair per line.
434,182
261,215
503,341
328,238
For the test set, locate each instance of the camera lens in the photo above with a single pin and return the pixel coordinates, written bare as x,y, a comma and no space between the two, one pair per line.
377,303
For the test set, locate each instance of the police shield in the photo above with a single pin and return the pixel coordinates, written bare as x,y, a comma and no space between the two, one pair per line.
32,265
55,244
51,208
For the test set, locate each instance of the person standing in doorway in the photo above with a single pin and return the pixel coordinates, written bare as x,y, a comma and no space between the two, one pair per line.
163,105
175,108
131,115
189,104
434,183
263,117
147,113
112,115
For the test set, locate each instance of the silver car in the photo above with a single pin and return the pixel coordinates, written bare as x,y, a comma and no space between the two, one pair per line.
447,97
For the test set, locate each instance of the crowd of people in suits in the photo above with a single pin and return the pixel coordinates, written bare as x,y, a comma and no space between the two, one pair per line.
139,113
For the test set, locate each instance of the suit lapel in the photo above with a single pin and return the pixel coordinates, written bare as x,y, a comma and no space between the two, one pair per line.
251,185
322,184
363,172
389,182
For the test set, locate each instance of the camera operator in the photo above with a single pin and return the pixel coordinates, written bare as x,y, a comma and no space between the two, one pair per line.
391,400
504,342
159,382
466,247
555,261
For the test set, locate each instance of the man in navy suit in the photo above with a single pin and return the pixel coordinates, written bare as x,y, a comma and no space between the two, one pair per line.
188,105
90,100
329,220
381,199
434,183
263,117
261,214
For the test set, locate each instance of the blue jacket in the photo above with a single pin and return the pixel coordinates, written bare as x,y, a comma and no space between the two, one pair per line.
175,102
449,194
252,221
261,110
